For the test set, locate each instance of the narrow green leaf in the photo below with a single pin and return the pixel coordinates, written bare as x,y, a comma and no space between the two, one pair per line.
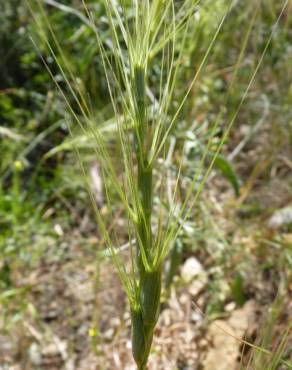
227,170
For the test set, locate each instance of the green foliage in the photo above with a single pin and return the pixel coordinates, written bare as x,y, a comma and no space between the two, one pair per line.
237,290
144,38
261,357
221,163
132,80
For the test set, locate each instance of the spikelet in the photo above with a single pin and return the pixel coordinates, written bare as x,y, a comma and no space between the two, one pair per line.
141,339
150,297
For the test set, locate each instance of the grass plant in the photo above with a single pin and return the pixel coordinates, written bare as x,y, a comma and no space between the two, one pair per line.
260,357
145,37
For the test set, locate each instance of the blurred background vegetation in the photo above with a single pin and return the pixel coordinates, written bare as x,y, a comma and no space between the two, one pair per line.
241,229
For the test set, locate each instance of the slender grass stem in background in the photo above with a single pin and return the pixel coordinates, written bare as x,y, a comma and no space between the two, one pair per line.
143,36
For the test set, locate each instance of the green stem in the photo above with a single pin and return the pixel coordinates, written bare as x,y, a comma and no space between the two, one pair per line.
144,177
145,315
145,194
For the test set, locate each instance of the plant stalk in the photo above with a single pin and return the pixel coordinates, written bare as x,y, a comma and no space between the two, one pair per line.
145,315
